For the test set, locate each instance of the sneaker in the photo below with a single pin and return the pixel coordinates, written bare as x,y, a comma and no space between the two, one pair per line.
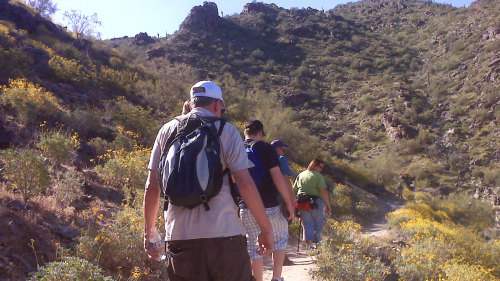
287,261
278,279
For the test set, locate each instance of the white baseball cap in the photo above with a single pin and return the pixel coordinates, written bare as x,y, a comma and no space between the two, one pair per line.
206,89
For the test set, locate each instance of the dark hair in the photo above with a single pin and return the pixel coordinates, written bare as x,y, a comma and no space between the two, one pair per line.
253,127
314,163
202,101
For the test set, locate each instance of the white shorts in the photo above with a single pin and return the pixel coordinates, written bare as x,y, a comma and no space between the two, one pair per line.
280,230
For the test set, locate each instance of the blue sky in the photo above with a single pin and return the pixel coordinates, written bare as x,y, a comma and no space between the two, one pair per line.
129,17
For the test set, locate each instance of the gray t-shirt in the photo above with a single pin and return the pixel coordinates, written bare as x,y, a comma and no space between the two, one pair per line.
222,219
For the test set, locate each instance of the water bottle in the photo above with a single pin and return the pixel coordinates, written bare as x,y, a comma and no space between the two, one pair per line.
156,243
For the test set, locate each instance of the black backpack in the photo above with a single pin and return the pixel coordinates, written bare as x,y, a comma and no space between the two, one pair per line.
190,171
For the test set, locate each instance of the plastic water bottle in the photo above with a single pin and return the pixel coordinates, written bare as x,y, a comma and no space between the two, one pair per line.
156,243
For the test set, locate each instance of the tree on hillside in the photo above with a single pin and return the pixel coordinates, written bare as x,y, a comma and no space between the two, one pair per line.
82,25
46,8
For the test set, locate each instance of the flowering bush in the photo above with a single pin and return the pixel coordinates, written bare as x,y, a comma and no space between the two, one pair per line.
435,241
124,169
70,71
118,246
59,146
31,102
344,255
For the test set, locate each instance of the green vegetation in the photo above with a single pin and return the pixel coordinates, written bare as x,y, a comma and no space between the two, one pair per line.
25,171
375,88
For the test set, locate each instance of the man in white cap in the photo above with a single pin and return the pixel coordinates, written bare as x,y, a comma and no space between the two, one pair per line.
207,245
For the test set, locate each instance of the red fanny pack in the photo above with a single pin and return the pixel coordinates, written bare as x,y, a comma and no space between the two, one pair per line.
303,206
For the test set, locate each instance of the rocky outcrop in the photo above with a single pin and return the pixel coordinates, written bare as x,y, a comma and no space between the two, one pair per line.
396,129
156,53
492,32
142,38
295,99
204,17
259,7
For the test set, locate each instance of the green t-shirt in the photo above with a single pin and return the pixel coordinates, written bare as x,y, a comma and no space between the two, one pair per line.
310,183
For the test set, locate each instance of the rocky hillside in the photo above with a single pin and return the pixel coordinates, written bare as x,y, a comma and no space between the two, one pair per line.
414,79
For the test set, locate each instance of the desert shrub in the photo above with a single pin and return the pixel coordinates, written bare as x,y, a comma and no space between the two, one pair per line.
467,211
69,71
86,123
118,245
59,146
400,216
456,271
345,144
383,168
341,200
31,102
70,268
120,81
99,145
25,171
127,170
136,119
492,176
124,140
434,243
67,187
344,255
423,169
422,261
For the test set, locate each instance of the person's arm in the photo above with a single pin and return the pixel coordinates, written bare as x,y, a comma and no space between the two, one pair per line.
150,209
279,182
326,197
296,185
290,188
250,195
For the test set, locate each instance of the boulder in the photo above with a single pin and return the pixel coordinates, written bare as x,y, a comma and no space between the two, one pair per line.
204,17
259,7
295,99
142,38
16,204
396,129
66,232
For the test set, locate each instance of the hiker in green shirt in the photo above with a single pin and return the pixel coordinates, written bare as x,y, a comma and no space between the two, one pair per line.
312,198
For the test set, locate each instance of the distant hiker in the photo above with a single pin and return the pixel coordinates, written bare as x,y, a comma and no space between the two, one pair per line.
186,108
270,181
279,146
204,242
312,198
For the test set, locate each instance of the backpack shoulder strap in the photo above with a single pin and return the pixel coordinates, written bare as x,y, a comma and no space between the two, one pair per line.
173,135
221,127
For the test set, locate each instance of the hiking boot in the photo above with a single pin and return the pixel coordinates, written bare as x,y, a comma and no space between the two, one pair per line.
287,261
278,279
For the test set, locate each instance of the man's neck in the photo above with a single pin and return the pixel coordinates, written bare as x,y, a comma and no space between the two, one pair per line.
257,138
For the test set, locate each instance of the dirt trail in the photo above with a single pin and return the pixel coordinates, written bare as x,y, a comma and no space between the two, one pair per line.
299,271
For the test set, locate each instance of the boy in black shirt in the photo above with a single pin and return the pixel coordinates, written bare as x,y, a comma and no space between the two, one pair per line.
271,183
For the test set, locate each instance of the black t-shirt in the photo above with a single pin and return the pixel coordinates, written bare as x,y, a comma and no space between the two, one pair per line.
269,159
